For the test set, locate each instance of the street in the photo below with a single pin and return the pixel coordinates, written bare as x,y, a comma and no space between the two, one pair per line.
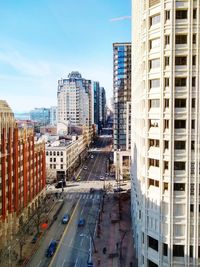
79,202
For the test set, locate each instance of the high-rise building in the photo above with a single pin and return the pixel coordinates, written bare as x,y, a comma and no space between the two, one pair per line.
22,173
122,102
40,115
53,115
166,132
102,106
73,100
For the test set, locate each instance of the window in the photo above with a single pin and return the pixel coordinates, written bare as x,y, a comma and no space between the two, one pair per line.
166,102
166,61
153,243
179,82
154,43
192,145
54,153
179,187
154,162
166,124
166,165
191,251
191,207
179,165
54,160
154,83
165,249
61,160
180,124
179,144
167,15
167,39
193,124
154,103
166,144
50,159
155,20
194,13
166,82
153,123
193,102
179,61
154,142
154,63
152,264
181,39
194,39
193,81
181,14
47,153
192,189
180,103
193,60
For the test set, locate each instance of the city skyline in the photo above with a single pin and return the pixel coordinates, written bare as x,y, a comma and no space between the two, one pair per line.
35,54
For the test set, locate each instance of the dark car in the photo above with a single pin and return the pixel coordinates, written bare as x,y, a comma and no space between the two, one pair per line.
92,190
60,184
118,189
65,219
81,222
51,249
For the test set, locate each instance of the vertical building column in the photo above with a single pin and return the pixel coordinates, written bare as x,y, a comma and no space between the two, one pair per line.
25,171
16,174
32,168
9,160
3,171
43,168
36,175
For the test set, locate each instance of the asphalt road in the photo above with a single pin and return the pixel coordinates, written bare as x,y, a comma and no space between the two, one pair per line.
73,247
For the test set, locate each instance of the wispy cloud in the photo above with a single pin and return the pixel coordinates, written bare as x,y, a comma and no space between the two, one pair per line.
120,18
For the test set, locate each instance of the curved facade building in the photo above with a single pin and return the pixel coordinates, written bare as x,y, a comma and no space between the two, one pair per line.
166,132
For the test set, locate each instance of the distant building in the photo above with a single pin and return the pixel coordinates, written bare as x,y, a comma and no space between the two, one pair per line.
122,107
102,105
40,115
53,115
22,173
73,100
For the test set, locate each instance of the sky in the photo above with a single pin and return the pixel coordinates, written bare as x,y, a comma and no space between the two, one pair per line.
42,41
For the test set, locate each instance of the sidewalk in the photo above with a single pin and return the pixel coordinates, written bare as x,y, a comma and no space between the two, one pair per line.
113,240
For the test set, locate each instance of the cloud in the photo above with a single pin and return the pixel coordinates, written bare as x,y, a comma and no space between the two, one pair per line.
120,18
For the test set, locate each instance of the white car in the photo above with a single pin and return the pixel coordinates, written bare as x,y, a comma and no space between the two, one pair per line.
91,156
85,167
101,178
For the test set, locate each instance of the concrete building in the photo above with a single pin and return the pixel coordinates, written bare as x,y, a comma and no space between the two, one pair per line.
63,156
73,100
40,115
102,107
165,132
22,174
122,110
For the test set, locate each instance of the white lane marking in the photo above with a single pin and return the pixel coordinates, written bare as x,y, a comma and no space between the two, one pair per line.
81,242
84,196
63,263
76,262
91,196
39,264
82,210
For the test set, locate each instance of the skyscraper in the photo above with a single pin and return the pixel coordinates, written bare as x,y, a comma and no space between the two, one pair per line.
122,102
165,132
40,115
73,100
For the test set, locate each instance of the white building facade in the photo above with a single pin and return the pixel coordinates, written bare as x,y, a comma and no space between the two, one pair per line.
166,132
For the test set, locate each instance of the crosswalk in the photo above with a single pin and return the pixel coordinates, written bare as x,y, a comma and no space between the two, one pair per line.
84,196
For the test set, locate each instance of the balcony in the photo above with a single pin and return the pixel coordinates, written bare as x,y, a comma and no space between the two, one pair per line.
154,172
154,152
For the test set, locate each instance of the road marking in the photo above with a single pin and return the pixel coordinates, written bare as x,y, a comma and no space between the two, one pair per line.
76,262
81,242
63,263
84,196
63,235
39,264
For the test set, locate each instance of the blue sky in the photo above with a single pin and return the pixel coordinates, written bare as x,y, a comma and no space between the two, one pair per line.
43,40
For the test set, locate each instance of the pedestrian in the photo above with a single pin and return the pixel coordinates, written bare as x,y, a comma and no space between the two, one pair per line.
117,245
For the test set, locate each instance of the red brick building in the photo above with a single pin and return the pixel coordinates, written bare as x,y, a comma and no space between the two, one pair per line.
22,172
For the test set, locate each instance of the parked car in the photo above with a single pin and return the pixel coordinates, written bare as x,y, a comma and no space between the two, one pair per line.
51,248
65,218
119,189
85,167
101,178
81,222
92,156
60,184
92,190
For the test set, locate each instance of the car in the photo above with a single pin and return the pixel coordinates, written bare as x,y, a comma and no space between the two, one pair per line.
51,248
78,178
60,184
85,167
92,156
65,218
118,189
81,222
101,178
